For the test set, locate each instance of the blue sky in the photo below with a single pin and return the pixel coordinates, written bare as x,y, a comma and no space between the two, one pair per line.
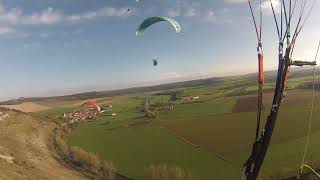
54,47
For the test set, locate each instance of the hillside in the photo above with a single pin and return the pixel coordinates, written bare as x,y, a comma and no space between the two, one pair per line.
25,150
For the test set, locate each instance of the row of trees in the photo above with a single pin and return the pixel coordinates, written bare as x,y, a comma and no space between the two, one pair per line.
164,172
106,169
88,162
82,159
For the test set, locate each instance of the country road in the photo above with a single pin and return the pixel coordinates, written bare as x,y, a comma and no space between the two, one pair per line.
25,151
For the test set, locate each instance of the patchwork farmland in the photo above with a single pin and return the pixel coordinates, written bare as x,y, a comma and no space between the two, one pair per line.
205,131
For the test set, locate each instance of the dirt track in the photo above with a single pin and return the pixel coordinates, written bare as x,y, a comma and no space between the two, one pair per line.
25,150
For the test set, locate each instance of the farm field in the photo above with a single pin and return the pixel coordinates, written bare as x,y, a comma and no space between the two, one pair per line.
209,136
127,147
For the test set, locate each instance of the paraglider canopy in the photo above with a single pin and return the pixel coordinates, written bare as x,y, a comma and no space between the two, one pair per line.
93,104
152,20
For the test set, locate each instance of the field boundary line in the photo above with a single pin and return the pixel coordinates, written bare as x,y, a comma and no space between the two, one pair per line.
185,140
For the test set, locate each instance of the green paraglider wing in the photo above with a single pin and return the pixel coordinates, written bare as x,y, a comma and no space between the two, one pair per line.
152,20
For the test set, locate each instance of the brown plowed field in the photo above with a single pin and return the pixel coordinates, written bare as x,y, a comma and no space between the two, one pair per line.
246,104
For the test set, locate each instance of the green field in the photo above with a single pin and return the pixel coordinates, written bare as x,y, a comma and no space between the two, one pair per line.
134,149
204,137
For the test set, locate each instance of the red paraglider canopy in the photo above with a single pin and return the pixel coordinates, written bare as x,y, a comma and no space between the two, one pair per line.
94,104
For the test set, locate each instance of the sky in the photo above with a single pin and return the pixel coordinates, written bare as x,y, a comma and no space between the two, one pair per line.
54,47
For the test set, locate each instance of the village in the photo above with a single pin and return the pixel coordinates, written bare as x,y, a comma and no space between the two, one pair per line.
86,114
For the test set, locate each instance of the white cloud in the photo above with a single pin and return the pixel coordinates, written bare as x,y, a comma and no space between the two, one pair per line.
184,9
170,75
218,17
236,1
10,18
103,12
266,6
26,46
191,11
48,16
44,35
195,10
30,45
16,16
6,30
211,16
24,35
174,12
79,31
